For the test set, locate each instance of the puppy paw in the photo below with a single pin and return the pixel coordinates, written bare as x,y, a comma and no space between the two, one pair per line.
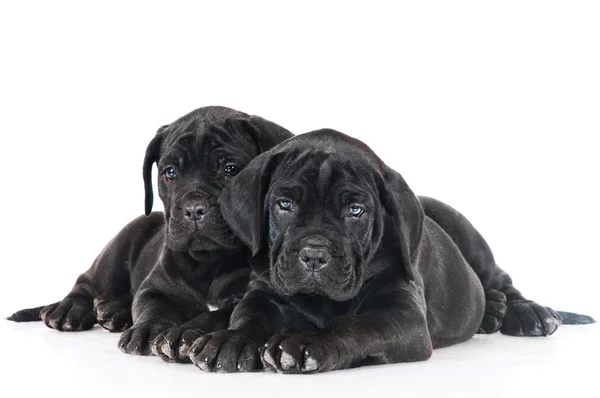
68,315
113,313
137,339
298,353
226,351
528,318
173,345
495,311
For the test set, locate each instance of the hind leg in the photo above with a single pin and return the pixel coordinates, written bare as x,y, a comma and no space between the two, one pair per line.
104,291
103,294
74,312
77,312
520,317
525,317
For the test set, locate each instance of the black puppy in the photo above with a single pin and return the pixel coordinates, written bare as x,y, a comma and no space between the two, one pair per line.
175,266
347,268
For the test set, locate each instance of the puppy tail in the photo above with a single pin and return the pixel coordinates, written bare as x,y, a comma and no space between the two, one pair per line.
571,318
27,315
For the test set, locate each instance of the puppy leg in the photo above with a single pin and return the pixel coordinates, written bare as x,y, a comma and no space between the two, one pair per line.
154,313
521,317
390,331
74,312
157,307
106,280
105,288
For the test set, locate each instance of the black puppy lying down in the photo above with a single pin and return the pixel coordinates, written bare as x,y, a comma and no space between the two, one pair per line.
349,270
175,266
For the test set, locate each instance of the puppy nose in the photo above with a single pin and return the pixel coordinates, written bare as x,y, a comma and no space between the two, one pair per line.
314,258
195,211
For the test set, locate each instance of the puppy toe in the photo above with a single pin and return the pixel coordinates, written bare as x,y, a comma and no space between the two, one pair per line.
489,324
271,354
197,355
549,320
185,342
292,353
287,361
68,315
124,340
310,363
495,311
155,348
248,359
229,352
135,341
113,314
53,315
268,359
78,318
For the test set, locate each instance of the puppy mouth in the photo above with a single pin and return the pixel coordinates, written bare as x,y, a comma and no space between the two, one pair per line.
337,281
199,234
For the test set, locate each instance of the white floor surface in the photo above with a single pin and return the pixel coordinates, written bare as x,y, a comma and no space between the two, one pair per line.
43,362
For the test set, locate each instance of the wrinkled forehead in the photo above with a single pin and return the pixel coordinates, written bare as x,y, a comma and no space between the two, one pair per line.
323,174
200,140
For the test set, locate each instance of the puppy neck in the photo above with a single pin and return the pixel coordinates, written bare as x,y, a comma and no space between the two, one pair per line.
218,255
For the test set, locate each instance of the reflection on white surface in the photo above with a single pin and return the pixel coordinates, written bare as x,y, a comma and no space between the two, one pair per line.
49,363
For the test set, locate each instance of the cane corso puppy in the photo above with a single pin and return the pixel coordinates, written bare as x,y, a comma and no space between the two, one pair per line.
178,271
348,270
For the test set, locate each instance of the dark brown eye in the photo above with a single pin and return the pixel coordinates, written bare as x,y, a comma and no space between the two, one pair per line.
170,173
231,170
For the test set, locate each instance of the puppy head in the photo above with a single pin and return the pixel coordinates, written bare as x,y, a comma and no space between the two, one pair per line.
322,205
197,155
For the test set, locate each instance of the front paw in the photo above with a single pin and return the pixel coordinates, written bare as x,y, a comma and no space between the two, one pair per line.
173,345
113,313
226,351
68,315
138,338
528,318
298,353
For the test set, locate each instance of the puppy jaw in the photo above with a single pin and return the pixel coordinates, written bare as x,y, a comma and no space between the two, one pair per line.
209,233
340,280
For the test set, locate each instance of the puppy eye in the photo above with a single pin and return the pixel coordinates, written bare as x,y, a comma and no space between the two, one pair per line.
356,211
285,204
170,173
231,170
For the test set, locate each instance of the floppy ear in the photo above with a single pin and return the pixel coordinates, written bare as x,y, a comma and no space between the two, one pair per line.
242,202
405,227
152,156
265,133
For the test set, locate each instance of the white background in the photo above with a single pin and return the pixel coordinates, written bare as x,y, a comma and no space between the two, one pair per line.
491,107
